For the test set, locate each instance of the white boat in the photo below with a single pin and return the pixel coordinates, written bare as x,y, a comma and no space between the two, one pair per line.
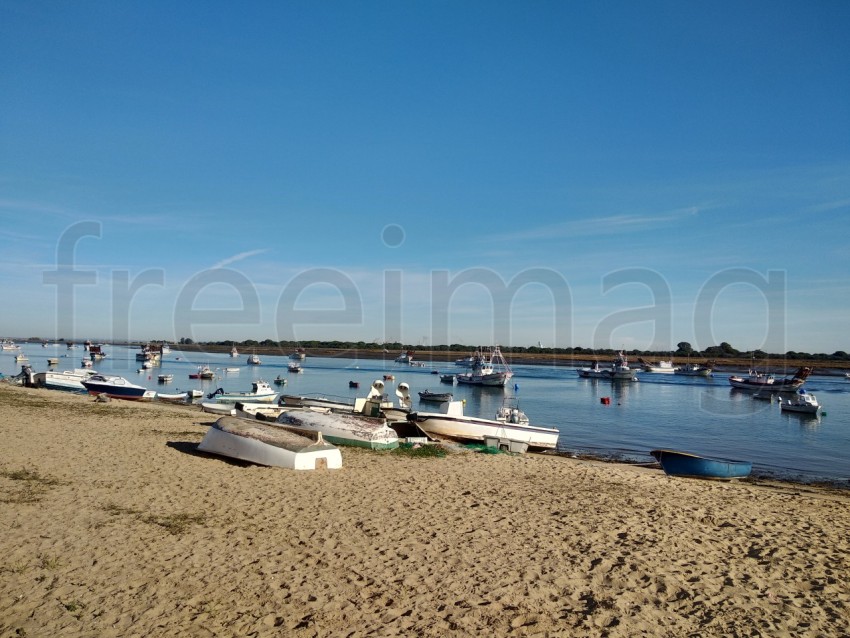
295,367
196,394
451,423
260,392
298,355
254,360
21,357
218,408
234,352
488,369
87,363
344,428
271,445
178,397
405,357
232,370
6,344
117,388
165,378
66,380
260,411
659,367
696,370
465,362
53,361
619,370
803,402
509,412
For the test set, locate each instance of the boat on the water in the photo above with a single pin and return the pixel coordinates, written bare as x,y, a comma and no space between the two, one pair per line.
435,397
294,367
696,369
619,370
279,380
447,378
165,378
686,464
234,352
299,355
260,392
451,423
232,369
117,388
802,403
759,380
659,367
343,428
488,369
254,360
271,445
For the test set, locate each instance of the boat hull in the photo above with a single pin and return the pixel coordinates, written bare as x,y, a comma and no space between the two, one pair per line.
118,388
344,429
685,464
471,429
269,445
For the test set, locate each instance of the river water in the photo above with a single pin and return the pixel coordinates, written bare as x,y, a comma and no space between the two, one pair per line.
704,416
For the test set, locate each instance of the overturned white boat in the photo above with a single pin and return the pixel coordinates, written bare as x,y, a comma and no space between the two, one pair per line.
225,409
343,428
451,423
267,444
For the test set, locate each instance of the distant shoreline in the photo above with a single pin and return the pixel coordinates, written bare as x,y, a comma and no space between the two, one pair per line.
434,357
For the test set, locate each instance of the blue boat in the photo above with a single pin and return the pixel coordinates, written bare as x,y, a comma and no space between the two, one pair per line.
676,463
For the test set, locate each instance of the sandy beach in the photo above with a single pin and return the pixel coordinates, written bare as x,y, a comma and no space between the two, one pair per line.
114,525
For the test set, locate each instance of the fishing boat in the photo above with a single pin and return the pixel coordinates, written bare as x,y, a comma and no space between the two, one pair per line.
254,360
299,355
447,378
260,392
165,378
659,367
405,357
619,370
685,464
451,423
117,388
204,372
488,369
234,352
344,428
802,403
270,445
465,362
696,370
295,367
758,380
435,397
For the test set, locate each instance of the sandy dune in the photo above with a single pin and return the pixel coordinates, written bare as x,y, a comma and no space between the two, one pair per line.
113,525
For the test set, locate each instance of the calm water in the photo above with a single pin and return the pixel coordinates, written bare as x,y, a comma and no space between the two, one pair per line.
705,416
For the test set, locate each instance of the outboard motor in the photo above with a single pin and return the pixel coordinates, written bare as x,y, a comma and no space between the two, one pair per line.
213,394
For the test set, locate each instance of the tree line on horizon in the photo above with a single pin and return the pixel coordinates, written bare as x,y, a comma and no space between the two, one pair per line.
683,349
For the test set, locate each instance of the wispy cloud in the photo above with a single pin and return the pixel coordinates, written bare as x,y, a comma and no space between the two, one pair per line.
240,257
599,225
828,206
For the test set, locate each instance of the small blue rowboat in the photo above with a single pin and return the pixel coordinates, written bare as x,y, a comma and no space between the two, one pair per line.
676,463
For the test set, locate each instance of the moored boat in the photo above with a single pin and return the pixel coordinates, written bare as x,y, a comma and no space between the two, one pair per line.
435,397
254,360
686,464
696,370
758,380
659,367
447,378
619,370
117,388
260,392
165,378
451,423
488,369
802,403
271,445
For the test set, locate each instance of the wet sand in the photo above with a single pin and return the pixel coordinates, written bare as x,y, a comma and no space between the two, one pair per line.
114,525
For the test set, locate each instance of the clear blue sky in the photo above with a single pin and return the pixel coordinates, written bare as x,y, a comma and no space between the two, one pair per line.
654,172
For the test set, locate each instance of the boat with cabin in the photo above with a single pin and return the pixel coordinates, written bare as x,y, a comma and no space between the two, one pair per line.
488,369
659,367
69,380
254,360
452,423
802,403
696,369
756,380
619,370
117,388
260,392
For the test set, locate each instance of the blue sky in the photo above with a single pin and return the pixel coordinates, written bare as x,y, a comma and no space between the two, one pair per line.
614,174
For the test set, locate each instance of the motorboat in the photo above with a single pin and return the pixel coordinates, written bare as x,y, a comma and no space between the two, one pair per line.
299,355
232,370
619,370
509,412
294,367
451,423
21,357
279,380
71,380
659,367
696,370
758,380
204,372
254,360
177,397
117,388
447,378
686,464
488,369
465,362
234,352
343,428
165,378
260,392
803,403
271,445
435,397
405,357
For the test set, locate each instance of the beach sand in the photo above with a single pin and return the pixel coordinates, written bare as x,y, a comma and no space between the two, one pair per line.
112,524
